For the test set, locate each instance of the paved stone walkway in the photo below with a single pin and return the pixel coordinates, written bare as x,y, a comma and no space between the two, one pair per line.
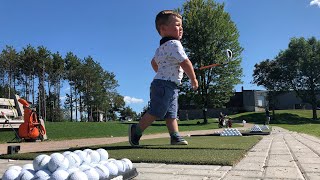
281,155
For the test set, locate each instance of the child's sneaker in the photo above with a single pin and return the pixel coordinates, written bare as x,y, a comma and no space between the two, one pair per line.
133,137
178,140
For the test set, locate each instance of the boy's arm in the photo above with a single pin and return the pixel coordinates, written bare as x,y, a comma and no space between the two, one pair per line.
188,69
154,65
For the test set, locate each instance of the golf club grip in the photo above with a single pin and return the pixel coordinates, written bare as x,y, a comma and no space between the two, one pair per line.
209,66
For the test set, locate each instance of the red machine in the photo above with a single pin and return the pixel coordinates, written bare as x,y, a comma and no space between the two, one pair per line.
32,128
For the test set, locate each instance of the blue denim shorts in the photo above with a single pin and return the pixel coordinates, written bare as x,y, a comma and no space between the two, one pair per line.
163,99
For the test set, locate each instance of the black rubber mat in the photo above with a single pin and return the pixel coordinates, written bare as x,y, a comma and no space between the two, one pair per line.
243,134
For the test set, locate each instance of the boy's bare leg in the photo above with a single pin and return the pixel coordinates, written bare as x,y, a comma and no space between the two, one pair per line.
172,125
146,120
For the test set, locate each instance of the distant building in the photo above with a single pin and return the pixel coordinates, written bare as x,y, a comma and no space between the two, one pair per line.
248,101
257,100
290,100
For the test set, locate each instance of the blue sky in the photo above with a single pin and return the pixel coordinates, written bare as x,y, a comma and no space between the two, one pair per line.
121,36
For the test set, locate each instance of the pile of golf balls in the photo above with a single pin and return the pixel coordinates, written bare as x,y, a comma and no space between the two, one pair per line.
264,127
230,132
77,165
256,128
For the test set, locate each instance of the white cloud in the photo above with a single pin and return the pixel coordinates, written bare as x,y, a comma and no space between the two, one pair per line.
132,100
63,98
315,2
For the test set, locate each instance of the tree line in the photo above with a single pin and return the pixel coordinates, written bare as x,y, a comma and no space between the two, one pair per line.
293,69
37,75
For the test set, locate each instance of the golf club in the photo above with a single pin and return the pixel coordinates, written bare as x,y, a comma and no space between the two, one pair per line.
229,57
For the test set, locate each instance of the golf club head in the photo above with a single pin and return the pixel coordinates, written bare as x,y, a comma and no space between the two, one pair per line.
229,53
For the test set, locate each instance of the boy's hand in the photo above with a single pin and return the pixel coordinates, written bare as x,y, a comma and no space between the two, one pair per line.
194,84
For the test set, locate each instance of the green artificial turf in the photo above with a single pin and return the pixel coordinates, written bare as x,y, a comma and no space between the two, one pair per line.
78,130
210,150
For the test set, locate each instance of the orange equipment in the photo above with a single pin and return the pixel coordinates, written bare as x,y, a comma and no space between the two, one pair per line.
31,129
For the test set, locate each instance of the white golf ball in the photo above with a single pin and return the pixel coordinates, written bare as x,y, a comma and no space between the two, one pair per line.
111,159
76,151
95,156
104,155
94,164
102,170
58,161
73,169
59,175
91,173
41,162
18,168
74,159
26,174
85,157
87,150
43,174
78,175
113,169
28,166
84,166
121,166
10,174
128,163
66,152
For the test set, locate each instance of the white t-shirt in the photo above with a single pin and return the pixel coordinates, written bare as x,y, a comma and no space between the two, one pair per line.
168,58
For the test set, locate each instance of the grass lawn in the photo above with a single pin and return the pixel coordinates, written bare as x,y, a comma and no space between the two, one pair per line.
78,130
213,150
293,120
311,129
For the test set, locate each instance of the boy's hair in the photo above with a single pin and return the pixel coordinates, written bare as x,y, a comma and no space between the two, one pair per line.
163,17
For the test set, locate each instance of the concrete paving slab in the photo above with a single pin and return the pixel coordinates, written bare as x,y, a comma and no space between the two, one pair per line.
307,160
149,176
257,154
276,160
313,168
250,159
279,152
283,172
304,155
149,165
240,178
193,167
280,179
160,170
246,174
313,176
249,166
204,172
225,168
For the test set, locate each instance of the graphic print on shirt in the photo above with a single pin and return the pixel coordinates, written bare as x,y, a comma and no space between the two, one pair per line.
168,58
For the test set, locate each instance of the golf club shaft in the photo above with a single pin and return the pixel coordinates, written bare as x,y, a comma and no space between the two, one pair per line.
209,66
